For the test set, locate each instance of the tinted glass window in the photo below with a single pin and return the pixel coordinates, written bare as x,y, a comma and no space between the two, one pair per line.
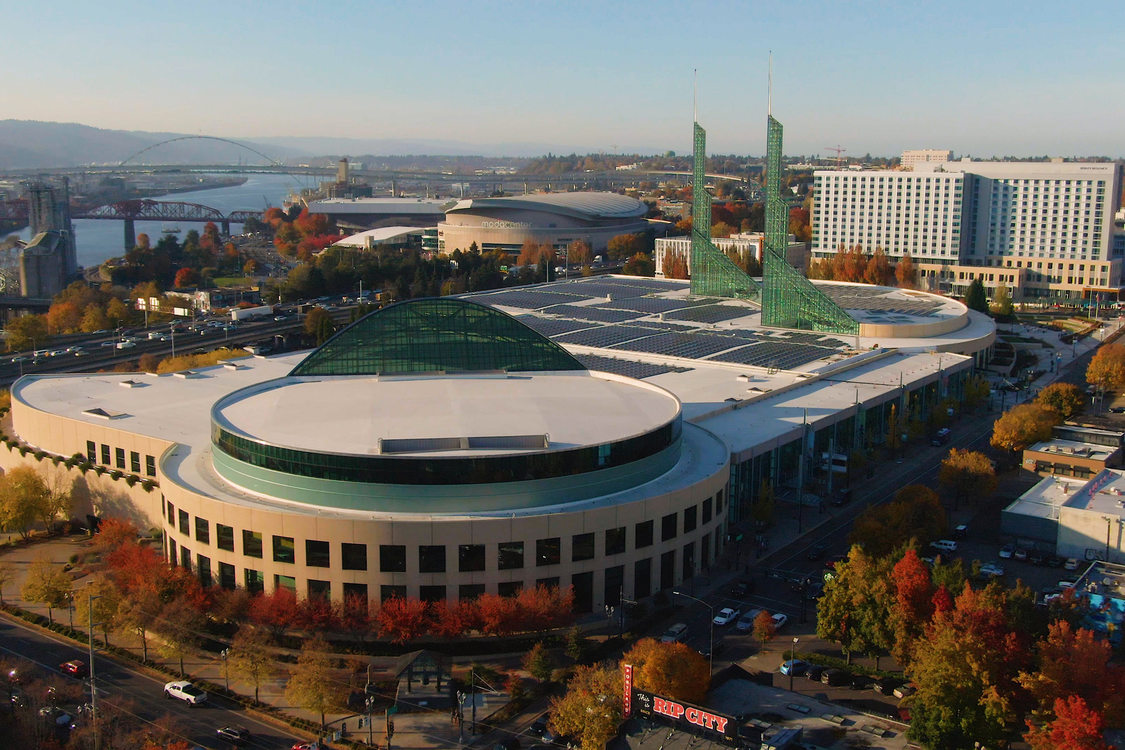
284,549
353,556
252,543
431,558
583,547
615,541
510,555
642,534
185,522
392,558
224,537
689,519
317,554
470,557
202,530
547,551
668,527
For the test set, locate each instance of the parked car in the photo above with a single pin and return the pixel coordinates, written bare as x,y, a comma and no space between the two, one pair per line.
903,691
836,677
1020,553
1006,552
539,726
234,735
1035,557
886,685
1071,563
726,616
795,667
675,634
184,691
860,682
741,589
779,620
746,623
74,668
944,545
992,570
815,672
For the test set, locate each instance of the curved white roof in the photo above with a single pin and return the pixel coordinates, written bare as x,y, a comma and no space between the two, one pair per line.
585,205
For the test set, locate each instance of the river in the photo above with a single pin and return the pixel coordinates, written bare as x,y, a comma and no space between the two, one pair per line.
99,239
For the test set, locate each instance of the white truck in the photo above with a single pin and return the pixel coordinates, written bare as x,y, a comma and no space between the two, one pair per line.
246,313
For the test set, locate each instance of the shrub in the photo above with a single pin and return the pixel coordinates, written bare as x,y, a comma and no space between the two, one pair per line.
85,466
131,479
116,474
99,470
148,484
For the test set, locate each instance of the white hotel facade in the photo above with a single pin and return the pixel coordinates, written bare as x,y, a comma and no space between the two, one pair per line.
1043,229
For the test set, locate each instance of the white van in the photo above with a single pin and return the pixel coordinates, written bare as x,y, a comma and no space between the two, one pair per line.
944,545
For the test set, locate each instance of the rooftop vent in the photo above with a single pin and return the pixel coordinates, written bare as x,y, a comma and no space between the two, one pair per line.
101,413
132,384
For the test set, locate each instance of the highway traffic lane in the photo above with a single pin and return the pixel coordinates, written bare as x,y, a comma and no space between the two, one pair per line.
119,683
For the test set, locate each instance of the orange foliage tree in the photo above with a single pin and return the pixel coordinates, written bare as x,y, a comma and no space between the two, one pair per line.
1076,727
402,619
670,669
675,265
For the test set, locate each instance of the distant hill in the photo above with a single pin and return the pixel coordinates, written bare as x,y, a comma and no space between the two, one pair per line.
29,144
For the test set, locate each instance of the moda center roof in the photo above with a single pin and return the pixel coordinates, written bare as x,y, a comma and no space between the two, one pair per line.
583,205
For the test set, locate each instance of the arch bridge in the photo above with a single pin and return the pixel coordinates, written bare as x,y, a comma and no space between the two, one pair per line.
144,209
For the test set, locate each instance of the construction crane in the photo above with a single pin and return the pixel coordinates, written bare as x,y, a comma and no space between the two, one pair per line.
839,153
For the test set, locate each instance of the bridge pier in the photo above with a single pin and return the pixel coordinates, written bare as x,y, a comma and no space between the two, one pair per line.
130,234
225,228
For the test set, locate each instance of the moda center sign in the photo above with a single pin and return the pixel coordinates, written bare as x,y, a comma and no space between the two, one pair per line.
684,716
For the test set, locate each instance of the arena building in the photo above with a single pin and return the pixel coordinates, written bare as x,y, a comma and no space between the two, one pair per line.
555,219
600,433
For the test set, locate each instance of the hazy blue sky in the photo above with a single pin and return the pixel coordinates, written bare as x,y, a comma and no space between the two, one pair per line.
981,78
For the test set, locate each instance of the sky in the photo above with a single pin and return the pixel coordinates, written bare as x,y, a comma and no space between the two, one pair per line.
983,78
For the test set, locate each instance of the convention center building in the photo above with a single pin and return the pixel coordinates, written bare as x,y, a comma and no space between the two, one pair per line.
601,433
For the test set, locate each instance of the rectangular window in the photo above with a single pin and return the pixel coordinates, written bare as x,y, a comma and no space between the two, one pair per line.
105,454
119,456
185,557
252,543
668,527
547,551
353,556
391,592
510,556
548,583
355,595
185,524
172,515
689,519
470,591
642,578
91,451
431,593
706,510
392,558
204,565
431,558
509,588
150,466
317,554
134,462
615,541
226,575
582,547
284,551
614,585
642,534
224,537
320,590
255,582
202,530
470,558
285,582
172,551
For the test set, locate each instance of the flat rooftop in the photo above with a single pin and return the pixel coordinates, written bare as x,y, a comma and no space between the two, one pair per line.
1104,493
1073,449
359,414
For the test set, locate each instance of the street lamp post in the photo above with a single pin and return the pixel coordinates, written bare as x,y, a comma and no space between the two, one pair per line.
710,629
93,689
225,654
792,656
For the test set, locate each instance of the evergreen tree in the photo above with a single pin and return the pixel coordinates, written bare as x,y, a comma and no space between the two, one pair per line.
975,297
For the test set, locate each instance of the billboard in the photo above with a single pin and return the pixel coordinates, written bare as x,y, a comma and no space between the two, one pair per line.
686,717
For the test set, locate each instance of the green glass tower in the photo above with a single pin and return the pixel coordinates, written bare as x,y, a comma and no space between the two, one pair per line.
713,274
789,300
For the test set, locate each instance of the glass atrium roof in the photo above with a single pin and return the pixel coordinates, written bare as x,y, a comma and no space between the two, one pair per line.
436,335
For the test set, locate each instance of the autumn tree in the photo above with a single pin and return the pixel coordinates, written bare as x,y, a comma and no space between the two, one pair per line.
967,473
975,297
674,265
26,332
764,628
670,669
179,626
401,619
138,612
1107,369
1076,726
913,605
312,686
878,268
63,317
186,277
849,264
591,710
1076,663
94,318
579,253
1065,398
99,603
276,610
7,575
538,662
1002,301
906,274
639,265
250,656
624,246
47,583
1023,425
24,499
319,323
915,513
856,608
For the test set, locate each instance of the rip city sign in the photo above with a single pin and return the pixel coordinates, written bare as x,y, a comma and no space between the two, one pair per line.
697,720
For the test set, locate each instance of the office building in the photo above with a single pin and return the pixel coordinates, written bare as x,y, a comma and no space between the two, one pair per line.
910,159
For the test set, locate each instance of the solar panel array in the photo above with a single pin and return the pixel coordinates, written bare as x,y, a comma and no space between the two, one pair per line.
688,345
625,367
650,305
593,312
604,336
775,354
850,298
524,298
711,313
552,326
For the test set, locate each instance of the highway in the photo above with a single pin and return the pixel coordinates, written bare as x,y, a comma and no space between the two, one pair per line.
138,693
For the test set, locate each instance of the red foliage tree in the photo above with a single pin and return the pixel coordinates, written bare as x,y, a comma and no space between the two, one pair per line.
545,607
674,265
318,613
451,619
402,619
914,602
499,615
1076,727
276,610
943,600
1075,663
186,277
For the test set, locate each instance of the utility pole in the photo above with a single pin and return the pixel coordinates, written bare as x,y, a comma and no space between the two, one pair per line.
93,689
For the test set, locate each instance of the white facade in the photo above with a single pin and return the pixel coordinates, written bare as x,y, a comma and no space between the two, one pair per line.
910,159
740,243
1050,223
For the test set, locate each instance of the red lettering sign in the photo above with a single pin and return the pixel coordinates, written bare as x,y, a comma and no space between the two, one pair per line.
627,670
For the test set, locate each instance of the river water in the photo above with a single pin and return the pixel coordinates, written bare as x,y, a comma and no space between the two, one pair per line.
99,239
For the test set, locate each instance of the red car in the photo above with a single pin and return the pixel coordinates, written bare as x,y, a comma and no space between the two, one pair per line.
75,668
